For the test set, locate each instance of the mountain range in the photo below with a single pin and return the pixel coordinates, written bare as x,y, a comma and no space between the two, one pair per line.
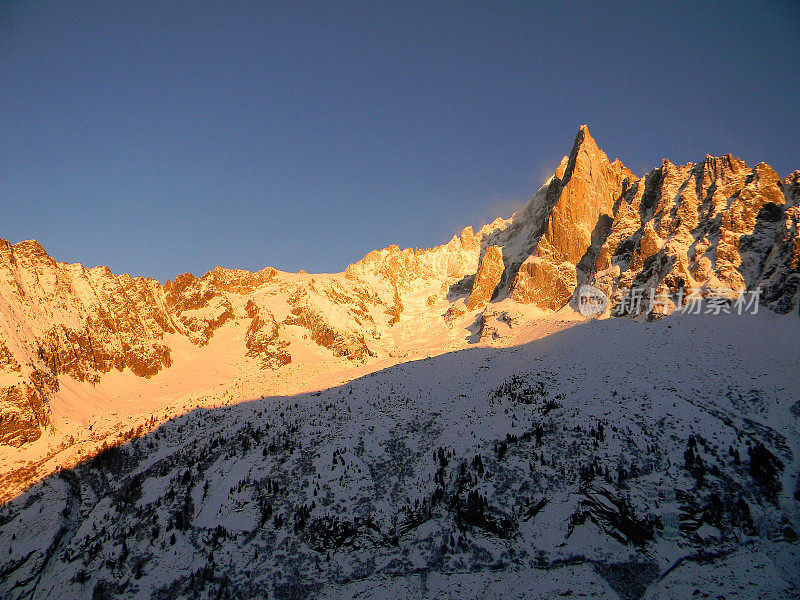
426,419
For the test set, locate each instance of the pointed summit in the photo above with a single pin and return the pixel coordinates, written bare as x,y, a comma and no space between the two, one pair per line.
584,137
587,190
582,197
585,156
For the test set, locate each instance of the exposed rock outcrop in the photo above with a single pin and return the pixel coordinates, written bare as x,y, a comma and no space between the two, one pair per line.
489,274
582,195
548,285
342,344
709,226
261,337
24,409
586,186
718,227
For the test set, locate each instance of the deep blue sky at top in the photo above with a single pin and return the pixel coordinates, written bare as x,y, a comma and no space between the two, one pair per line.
163,137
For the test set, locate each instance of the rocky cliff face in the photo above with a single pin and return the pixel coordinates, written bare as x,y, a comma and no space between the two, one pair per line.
582,195
716,226
584,188
60,319
486,279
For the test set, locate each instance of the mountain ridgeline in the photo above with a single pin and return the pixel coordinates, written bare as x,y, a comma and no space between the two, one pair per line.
717,226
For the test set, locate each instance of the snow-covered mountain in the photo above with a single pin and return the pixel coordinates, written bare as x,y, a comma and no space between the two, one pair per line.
428,422
713,226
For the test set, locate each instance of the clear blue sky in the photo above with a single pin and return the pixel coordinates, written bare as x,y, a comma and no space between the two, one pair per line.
163,137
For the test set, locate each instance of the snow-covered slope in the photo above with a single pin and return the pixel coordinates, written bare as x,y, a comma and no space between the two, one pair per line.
608,459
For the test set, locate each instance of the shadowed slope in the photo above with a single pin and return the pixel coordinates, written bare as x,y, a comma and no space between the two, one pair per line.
606,459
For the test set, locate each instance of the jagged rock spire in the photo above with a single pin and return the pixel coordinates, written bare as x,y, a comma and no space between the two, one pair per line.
582,194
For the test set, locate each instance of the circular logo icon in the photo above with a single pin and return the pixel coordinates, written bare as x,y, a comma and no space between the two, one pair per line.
591,301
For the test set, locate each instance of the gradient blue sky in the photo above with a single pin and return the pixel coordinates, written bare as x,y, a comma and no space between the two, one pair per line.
159,138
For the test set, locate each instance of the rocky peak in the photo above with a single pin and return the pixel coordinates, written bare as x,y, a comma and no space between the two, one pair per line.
32,249
588,189
580,205
585,155
718,225
467,236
